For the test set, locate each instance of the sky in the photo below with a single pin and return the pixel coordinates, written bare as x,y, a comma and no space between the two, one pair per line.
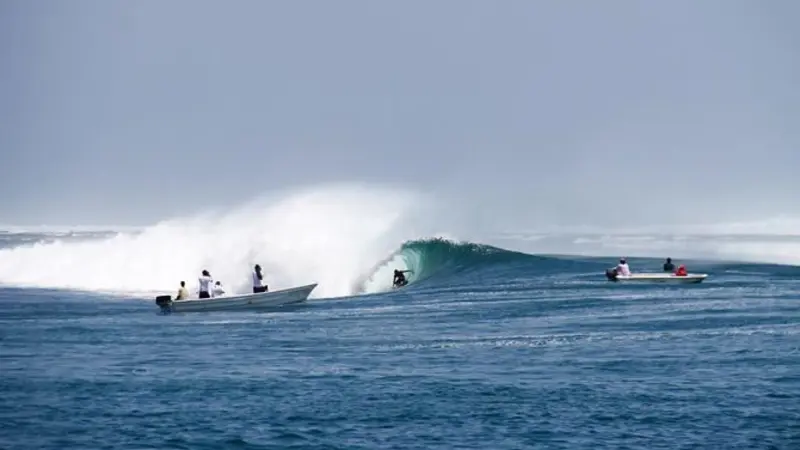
520,112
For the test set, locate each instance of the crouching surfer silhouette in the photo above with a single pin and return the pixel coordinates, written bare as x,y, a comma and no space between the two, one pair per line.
399,278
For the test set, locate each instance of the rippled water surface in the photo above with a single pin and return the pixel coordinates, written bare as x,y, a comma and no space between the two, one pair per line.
503,356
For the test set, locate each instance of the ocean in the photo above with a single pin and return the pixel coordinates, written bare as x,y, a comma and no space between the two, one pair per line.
487,348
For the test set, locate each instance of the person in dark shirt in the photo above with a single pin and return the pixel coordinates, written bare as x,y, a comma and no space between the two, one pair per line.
668,266
400,278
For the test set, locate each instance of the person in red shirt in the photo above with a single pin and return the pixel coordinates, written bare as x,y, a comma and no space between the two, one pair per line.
681,272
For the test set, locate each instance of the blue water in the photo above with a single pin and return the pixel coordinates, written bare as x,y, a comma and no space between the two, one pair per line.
485,350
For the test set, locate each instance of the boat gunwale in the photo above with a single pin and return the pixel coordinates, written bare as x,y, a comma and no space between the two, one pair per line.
221,299
658,276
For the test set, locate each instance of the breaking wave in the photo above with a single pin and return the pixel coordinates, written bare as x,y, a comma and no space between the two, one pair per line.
439,257
330,235
347,238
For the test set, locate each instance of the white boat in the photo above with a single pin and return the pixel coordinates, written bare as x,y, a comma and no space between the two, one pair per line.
657,277
245,302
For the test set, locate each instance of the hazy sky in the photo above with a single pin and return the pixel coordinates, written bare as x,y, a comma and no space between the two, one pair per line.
128,112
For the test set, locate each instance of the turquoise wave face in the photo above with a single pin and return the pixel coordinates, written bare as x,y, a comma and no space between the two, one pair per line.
441,261
438,257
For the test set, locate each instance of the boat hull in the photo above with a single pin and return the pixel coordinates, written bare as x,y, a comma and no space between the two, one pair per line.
246,302
661,278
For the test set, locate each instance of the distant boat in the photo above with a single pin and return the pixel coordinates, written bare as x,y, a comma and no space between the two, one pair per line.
656,277
245,302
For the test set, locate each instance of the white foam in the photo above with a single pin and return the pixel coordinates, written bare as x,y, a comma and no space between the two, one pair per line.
330,235
783,225
67,229
759,248
770,240
382,275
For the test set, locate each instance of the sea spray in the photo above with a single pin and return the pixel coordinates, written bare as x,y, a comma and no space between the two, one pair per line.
330,235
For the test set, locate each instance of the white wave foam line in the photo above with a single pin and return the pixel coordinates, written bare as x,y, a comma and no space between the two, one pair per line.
760,251
766,248
66,229
329,235
754,249
782,225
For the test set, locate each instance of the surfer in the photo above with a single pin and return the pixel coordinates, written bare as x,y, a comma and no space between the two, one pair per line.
205,283
258,280
183,293
399,278
668,266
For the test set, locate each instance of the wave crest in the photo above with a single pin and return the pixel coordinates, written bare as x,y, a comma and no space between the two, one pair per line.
325,234
435,257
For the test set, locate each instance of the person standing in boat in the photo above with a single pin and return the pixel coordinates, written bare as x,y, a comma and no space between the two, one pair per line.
668,266
205,281
258,280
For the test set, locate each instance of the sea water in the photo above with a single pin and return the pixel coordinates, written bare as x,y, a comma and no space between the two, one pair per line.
485,349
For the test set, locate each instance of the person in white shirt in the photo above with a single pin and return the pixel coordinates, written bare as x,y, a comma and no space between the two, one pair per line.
205,285
258,280
622,268
218,290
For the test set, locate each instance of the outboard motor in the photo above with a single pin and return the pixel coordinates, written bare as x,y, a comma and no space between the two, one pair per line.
611,274
165,303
